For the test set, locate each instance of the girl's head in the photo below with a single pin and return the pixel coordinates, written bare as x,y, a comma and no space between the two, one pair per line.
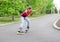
29,9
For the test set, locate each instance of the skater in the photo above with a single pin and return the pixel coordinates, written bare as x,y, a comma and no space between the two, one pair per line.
24,16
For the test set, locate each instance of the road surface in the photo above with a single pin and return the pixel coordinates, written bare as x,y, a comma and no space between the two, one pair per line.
41,30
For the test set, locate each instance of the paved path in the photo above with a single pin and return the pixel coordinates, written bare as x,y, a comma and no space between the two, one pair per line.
41,30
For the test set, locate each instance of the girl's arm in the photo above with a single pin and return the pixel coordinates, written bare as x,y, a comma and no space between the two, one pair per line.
36,9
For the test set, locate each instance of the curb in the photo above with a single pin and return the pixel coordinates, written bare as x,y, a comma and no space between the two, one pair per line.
54,24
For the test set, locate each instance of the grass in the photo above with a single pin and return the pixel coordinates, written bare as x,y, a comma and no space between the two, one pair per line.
4,20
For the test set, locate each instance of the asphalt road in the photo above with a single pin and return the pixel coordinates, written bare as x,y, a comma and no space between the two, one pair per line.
41,30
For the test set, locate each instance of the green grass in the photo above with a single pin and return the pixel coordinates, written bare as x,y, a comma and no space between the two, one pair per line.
4,20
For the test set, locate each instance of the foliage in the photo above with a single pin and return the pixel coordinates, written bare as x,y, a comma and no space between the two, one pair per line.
9,7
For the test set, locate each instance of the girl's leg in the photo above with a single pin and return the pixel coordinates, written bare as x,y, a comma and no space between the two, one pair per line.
28,22
21,24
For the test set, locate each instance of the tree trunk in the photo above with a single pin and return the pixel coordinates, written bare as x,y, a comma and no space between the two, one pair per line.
12,17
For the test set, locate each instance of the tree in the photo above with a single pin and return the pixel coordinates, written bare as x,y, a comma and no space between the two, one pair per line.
9,7
46,5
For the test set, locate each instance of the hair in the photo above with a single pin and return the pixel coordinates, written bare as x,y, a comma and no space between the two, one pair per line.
29,8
